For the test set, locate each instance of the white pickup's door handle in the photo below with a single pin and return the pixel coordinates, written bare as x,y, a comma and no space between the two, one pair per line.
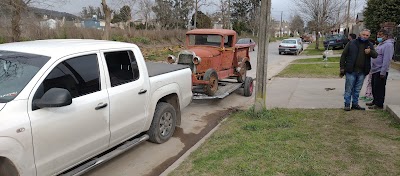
101,106
142,91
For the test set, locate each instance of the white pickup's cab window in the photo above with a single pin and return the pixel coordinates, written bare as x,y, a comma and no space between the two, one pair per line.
122,67
79,75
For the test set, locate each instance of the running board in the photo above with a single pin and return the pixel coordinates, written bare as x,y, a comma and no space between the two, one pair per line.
89,165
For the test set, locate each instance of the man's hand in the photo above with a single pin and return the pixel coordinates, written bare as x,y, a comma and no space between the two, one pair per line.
368,50
341,73
383,76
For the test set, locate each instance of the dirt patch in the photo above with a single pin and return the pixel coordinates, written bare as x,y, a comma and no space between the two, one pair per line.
189,140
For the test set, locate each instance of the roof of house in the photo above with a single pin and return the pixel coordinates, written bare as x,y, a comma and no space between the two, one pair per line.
57,48
212,31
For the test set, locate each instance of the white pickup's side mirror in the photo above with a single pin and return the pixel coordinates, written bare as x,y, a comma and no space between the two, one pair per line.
55,97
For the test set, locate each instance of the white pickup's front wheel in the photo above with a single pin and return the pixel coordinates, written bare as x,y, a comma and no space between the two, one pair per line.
163,124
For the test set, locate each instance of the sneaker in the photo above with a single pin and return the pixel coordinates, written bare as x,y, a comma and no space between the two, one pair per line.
368,99
357,107
370,104
375,107
347,107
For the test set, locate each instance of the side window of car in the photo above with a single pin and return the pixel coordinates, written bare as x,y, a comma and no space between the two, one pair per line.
79,75
122,67
228,41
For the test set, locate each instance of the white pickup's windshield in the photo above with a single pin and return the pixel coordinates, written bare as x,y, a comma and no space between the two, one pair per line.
16,70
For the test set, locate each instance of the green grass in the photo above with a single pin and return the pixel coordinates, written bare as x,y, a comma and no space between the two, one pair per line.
313,60
322,70
311,51
299,142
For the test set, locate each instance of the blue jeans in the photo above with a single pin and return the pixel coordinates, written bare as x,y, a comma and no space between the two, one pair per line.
354,83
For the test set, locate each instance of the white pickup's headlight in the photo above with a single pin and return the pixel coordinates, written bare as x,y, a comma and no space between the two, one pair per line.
171,59
196,60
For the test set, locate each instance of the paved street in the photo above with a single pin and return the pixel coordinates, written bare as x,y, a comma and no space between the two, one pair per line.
197,120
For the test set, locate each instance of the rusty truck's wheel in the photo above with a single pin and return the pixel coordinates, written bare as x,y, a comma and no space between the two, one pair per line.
212,77
248,87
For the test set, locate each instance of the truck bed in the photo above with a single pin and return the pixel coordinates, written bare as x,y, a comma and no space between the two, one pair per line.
155,69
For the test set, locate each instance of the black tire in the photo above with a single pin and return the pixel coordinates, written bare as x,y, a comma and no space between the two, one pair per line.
211,76
280,53
7,168
241,78
163,124
248,87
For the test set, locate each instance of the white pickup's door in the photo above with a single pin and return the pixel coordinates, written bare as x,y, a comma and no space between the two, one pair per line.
65,136
128,90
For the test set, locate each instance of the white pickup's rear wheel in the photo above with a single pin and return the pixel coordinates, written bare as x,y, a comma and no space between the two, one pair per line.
163,124
7,168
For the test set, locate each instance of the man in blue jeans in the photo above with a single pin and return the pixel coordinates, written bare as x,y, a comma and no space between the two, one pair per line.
355,63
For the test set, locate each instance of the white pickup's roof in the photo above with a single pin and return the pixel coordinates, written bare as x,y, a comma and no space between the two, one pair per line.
62,47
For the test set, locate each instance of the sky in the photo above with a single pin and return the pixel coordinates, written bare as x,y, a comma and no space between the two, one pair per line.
287,6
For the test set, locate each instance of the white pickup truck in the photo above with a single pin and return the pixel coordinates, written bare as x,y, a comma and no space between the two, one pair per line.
67,106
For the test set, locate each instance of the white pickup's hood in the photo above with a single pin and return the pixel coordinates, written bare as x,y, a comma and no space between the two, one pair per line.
2,106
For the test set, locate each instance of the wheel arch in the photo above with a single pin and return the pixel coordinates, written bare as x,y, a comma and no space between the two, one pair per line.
173,99
7,167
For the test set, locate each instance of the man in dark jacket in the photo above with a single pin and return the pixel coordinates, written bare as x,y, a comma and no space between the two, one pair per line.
355,63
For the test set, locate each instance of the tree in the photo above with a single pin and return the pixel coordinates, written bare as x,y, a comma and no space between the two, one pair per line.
17,8
203,21
245,15
90,11
380,11
146,9
172,13
320,13
125,13
225,15
297,24
107,14
197,4
164,13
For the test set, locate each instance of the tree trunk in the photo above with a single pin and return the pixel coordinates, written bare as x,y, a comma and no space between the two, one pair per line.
107,14
317,40
17,7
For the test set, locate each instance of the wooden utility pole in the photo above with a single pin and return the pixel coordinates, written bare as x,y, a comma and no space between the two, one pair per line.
262,56
281,30
195,13
348,18
229,14
107,14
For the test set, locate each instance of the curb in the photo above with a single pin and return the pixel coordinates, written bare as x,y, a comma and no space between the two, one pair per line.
181,159
392,110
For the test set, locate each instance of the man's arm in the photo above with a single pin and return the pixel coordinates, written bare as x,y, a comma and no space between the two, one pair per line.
388,52
373,52
344,56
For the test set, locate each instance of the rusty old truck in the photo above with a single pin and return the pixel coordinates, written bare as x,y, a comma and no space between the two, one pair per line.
215,61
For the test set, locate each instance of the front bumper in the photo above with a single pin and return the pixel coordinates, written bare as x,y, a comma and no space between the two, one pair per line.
288,50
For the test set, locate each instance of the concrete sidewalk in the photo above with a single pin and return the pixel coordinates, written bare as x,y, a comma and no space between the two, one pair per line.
313,93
